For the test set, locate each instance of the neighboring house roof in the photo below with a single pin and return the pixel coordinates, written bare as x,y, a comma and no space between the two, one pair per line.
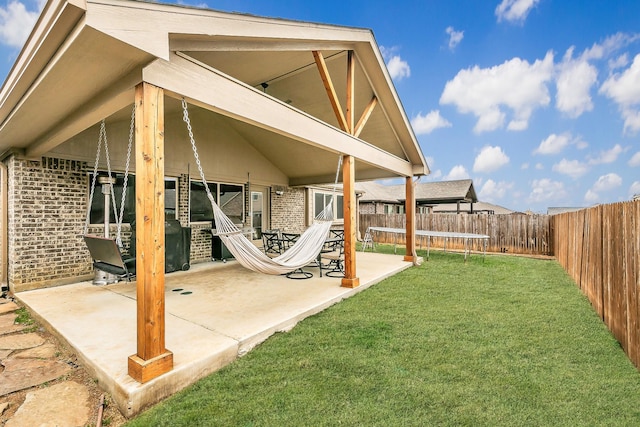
446,191
372,191
477,208
83,60
426,192
559,210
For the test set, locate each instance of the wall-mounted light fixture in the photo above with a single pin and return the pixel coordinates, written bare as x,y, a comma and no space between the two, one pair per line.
279,190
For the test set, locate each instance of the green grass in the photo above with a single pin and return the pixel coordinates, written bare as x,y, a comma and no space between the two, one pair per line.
508,341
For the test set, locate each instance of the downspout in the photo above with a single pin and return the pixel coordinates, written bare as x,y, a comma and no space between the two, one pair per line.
4,228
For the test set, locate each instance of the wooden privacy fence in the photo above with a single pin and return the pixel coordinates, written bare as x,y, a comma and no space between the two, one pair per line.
519,234
600,249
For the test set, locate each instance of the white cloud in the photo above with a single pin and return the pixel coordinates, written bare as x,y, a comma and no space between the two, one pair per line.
607,182
455,37
457,172
608,156
427,124
490,159
634,189
573,168
492,191
545,189
514,10
539,166
624,89
553,144
574,81
619,62
485,92
16,23
524,166
591,196
634,161
437,174
610,45
398,69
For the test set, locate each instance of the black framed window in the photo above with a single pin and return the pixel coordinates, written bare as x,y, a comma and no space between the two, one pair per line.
97,204
200,207
230,198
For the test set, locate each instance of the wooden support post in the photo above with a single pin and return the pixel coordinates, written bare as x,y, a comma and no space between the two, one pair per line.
410,214
152,359
348,184
351,84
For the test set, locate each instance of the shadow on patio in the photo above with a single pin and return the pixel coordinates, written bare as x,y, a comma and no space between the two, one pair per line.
215,313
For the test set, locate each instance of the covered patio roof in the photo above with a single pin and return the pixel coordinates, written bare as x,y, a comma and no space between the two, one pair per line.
299,93
84,59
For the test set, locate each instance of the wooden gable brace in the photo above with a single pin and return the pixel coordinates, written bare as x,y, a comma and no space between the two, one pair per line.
346,122
331,91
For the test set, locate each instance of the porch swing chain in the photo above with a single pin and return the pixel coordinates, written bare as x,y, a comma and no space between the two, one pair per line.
119,216
93,182
126,177
103,130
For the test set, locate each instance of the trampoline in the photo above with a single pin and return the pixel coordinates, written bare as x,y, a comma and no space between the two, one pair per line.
446,235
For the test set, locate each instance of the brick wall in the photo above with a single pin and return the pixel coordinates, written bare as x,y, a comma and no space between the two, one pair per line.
47,212
47,201
288,210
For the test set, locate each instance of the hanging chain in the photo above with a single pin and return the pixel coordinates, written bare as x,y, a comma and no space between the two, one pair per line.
106,151
185,118
94,179
126,176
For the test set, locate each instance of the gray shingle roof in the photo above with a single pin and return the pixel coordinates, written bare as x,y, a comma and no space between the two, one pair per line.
426,192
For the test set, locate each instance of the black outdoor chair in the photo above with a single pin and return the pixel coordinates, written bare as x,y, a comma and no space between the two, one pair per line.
287,240
271,244
333,253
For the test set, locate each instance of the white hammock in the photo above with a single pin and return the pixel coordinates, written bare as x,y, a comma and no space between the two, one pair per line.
304,251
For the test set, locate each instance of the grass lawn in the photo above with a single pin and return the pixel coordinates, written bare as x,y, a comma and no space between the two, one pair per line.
508,341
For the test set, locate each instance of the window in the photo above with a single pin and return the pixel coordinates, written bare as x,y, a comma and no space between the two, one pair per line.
200,206
393,209
232,202
97,204
230,198
320,200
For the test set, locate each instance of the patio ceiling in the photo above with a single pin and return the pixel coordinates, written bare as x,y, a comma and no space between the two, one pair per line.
82,62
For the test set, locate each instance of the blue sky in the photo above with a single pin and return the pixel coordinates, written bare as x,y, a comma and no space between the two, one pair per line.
538,101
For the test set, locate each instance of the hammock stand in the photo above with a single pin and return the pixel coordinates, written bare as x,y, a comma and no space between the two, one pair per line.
303,252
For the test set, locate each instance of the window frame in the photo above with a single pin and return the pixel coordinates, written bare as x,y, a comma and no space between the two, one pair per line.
217,197
129,212
338,214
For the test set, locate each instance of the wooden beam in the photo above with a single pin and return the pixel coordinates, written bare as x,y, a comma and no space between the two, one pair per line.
152,359
365,116
350,210
331,92
214,91
410,214
351,85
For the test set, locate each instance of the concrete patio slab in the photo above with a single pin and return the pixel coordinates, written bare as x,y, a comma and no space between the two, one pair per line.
220,312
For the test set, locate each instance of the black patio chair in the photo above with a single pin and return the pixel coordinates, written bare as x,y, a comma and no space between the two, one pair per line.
333,253
288,239
271,244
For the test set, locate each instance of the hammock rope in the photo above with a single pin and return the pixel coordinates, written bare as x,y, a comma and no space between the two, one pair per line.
304,251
